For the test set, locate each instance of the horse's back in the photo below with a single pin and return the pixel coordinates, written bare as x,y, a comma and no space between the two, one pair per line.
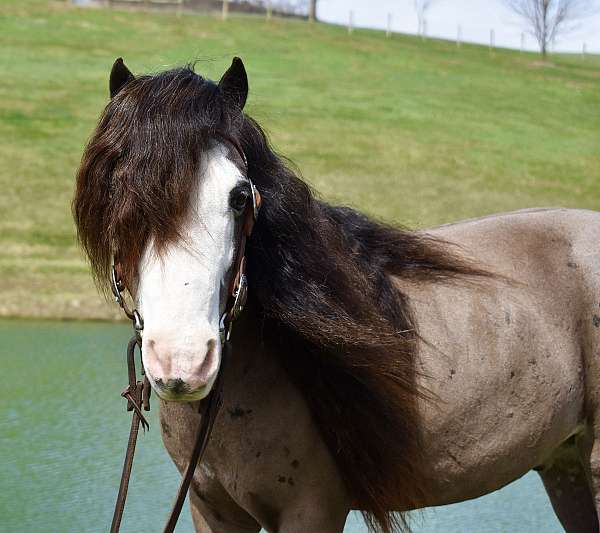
504,356
553,254
555,233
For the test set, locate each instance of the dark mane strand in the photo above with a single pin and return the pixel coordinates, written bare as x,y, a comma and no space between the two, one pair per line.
321,276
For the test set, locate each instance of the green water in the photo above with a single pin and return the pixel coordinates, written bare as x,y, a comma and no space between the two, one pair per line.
63,430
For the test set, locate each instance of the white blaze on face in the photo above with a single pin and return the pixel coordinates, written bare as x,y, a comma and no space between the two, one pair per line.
180,294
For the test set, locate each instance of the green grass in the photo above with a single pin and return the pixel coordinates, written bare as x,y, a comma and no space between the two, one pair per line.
413,132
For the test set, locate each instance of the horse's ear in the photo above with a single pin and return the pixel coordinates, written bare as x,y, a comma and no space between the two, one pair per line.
119,76
234,83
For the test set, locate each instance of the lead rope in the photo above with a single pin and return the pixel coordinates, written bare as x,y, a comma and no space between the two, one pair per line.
137,393
134,394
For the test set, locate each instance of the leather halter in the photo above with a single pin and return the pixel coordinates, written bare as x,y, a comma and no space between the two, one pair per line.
137,392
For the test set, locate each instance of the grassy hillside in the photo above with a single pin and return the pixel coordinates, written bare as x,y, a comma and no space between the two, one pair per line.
415,132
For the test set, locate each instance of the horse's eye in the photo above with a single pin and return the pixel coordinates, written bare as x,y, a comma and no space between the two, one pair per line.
238,199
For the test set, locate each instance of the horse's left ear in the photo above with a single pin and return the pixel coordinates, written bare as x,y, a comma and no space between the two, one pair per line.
119,76
234,83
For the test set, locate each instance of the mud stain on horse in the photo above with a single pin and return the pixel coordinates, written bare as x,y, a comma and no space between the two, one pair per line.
281,479
238,412
295,463
571,264
596,321
165,428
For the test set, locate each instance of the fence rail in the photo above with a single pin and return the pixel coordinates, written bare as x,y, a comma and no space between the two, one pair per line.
287,8
269,8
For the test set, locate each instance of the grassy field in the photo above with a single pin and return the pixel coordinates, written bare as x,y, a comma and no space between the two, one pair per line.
414,132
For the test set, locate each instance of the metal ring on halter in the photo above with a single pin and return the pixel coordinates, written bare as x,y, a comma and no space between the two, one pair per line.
138,322
116,286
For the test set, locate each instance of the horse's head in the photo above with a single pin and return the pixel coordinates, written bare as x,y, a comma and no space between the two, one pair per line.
163,186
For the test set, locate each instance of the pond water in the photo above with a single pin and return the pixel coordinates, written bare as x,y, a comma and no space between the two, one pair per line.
63,430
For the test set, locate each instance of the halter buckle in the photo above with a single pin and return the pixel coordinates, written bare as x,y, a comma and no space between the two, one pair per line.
224,328
255,200
240,295
239,301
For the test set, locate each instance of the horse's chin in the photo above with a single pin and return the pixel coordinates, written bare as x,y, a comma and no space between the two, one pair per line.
183,393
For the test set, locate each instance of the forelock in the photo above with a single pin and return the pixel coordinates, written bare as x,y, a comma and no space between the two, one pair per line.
140,166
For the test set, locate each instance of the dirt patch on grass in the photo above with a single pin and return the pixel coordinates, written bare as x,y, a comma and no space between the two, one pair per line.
542,64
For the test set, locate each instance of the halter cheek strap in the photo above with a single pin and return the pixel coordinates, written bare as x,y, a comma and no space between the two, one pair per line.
137,392
238,287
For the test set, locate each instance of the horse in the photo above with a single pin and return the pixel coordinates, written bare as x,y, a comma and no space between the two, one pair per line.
375,368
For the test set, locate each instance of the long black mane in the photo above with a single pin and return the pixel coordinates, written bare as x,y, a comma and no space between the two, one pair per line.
321,276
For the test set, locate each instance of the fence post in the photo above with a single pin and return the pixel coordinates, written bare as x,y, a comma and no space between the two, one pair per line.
424,29
350,22
225,11
388,32
459,36
584,50
492,39
522,42
269,10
